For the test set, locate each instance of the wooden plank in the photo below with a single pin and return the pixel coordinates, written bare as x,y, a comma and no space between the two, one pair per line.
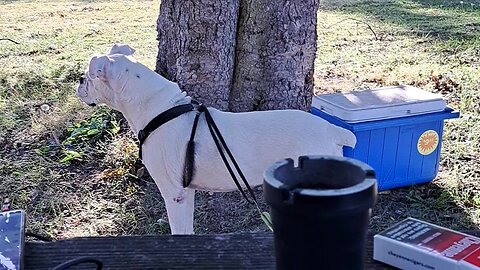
222,251
225,251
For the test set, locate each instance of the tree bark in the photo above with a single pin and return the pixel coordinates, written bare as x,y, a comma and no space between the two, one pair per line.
240,55
196,47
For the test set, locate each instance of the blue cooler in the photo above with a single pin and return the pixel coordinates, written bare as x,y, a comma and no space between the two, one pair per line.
399,130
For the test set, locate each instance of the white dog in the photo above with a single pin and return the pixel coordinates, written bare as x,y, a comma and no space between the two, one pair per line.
256,139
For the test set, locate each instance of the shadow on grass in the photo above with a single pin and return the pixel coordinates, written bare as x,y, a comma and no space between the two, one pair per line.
429,202
446,25
228,212
214,213
443,20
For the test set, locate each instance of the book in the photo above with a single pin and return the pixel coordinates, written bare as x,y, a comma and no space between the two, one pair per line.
12,238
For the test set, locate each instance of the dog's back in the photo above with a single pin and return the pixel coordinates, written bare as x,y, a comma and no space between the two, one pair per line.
258,139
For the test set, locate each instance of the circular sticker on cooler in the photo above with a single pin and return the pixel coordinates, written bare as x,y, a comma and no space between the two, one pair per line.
428,142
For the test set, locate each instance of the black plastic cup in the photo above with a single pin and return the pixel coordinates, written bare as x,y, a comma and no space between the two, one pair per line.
320,211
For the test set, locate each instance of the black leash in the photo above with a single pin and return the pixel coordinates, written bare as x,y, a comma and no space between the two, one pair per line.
189,165
222,149
222,146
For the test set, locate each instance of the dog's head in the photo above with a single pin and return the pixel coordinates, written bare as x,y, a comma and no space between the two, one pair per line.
105,78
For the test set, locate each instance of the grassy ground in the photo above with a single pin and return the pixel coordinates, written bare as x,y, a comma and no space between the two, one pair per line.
434,45
74,168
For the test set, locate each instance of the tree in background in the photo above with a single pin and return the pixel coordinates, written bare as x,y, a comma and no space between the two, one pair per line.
240,55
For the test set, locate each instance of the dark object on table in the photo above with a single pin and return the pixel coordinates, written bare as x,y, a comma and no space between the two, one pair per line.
320,211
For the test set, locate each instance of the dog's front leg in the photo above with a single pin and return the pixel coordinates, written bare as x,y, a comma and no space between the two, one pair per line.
180,205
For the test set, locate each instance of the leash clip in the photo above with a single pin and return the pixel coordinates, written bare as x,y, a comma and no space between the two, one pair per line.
199,107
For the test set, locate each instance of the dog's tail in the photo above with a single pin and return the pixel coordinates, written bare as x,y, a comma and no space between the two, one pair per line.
344,137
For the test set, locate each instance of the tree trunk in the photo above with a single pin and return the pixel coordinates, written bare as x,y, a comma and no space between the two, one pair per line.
240,55
197,47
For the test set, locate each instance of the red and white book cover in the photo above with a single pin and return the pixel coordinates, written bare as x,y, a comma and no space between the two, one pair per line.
414,244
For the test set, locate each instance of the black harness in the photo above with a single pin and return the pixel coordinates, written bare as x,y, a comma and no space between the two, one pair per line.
161,119
189,165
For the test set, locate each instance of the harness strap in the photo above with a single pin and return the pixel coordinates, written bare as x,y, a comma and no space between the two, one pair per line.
160,120
222,149
189,166
216,132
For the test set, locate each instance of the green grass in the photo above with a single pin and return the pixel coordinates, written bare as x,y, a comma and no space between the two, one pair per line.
434,45
71,167
74,169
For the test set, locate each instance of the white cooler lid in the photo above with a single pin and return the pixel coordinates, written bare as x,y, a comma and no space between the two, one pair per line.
379,103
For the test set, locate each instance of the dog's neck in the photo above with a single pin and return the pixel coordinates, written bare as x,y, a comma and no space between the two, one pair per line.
155,95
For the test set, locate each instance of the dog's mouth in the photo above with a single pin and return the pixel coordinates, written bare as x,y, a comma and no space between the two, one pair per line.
82,81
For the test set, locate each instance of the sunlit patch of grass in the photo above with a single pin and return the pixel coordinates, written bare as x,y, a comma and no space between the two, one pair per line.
433,45
47,167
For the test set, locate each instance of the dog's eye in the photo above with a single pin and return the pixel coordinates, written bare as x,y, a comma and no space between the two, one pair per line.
82,79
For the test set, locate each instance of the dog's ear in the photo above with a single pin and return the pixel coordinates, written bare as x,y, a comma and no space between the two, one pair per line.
121,49
98,67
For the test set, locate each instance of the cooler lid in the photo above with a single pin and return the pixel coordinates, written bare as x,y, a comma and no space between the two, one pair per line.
379,103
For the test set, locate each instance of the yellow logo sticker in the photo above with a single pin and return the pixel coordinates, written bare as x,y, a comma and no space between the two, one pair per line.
428,142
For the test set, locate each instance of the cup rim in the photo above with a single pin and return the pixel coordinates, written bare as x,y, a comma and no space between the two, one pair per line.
271,180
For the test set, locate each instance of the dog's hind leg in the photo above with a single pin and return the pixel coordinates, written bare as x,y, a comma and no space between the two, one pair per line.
180,207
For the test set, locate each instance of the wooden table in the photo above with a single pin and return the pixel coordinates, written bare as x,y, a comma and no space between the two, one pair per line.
215,251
